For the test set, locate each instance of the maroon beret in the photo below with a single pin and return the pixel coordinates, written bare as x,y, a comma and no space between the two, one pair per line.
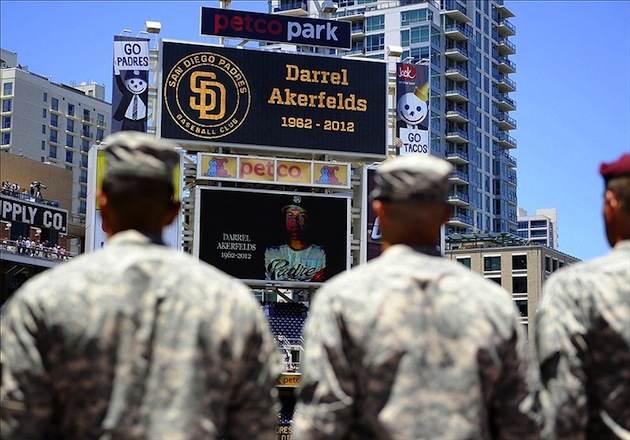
620,167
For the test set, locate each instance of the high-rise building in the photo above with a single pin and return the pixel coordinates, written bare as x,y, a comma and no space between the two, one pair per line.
467,46
52,123
540,228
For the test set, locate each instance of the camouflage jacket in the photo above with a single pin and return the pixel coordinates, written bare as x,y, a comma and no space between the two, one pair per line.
136,341
583,341
410,346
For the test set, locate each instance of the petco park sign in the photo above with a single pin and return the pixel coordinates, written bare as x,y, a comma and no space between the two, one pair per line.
273,170
275,28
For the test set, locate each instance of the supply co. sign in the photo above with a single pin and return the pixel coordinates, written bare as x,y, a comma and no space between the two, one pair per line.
276,28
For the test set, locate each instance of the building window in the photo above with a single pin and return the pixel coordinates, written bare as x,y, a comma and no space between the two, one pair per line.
538,224
519,262
43,128
519,284
6,122
100,119
83,176
7,89
86,131
496,280
70,141
375,23
54,104
554,265
81,206
99,134
408,17
6,105
465,261
404,38
6,138
419,35
85,145
375,42
70,109
43,145
53,136
54,120
491,264
45,97
70,125
86,114
52,152
69,156
521,305
44,113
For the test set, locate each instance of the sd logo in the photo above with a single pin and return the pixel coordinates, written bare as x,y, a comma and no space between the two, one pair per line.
206,95
207,91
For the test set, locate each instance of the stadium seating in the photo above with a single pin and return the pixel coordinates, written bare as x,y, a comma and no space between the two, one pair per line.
286,319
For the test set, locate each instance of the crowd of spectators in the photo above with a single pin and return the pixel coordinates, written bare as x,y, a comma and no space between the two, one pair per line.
35,249
34,193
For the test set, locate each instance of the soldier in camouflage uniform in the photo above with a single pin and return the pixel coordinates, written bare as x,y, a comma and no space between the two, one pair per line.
583,331
411,345
137,340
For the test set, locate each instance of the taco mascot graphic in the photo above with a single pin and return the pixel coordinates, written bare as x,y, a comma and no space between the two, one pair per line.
132,108
412,108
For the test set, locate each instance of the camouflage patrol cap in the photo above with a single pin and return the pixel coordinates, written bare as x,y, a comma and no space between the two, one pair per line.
412,178
136,154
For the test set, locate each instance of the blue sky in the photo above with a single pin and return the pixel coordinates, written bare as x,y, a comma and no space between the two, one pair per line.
573,87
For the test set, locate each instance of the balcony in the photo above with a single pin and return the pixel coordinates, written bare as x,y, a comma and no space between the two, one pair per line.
456,53
351,14
358,31
456,73
505,84
458,198
456,136
502,9
505,47
505,140
511,177
505,28
293,8
505,65
459,32
460,220
456,115
457,156
457,94
455,11
505,122
506,157
505,103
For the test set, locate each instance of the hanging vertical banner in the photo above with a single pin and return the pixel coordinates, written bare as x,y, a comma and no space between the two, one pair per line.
130,90
412,108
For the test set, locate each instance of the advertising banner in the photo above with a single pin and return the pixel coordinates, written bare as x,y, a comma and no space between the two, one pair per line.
412,108
272,170
15,210
130,90
372,232
271,100
95,237
275,28
268,236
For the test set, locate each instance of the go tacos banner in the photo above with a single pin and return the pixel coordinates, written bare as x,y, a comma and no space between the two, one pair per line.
412,108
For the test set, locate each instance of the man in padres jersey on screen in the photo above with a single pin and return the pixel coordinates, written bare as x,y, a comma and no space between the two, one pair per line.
298,260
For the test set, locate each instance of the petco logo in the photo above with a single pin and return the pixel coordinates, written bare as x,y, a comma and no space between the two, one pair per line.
407,71
278,28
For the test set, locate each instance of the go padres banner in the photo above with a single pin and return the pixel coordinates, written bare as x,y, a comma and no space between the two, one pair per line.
238,97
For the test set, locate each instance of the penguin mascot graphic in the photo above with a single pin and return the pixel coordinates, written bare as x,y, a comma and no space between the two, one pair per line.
132,109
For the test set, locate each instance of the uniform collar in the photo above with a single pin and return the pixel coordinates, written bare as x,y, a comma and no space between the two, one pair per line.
132,236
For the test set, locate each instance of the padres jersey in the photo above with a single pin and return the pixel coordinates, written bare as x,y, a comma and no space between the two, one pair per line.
136,341
285,264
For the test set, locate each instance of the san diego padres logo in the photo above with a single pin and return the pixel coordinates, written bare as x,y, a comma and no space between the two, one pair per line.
207,95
